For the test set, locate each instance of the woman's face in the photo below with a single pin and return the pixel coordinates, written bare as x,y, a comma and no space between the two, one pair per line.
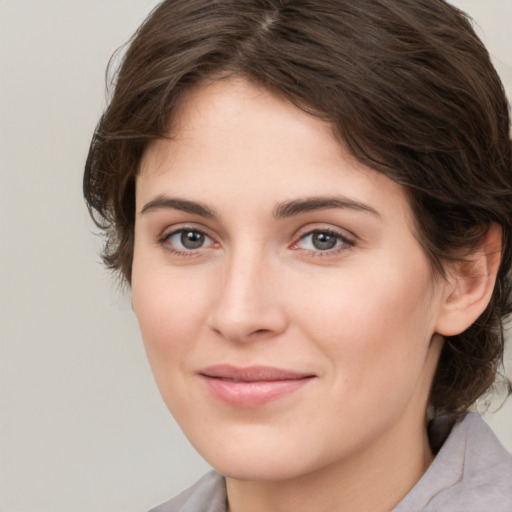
287,310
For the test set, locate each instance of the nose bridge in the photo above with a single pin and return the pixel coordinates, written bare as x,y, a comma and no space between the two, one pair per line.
247,306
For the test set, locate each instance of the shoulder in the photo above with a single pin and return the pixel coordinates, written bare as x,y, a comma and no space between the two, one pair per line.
472,472
207,495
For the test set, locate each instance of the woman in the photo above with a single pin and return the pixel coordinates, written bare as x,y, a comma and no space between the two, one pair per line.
311,204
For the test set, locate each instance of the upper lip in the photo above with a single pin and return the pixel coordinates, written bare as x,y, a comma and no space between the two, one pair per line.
252,373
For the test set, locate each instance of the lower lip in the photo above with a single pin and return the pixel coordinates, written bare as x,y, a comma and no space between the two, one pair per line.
249,395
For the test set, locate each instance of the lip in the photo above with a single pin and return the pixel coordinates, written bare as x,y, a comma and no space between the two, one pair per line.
252,386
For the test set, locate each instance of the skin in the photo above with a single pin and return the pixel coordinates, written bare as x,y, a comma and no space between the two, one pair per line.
362,318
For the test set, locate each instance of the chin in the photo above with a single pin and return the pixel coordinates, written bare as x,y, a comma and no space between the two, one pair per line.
260,455
243,462
258,469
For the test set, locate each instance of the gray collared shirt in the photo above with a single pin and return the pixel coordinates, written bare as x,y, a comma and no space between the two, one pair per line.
471,473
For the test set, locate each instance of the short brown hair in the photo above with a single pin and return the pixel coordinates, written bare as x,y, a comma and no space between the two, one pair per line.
410,90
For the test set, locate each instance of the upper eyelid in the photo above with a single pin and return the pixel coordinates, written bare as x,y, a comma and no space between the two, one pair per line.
167,234
299,234
172,230
347,242
320,228
342,238
180,230
164,242
332,231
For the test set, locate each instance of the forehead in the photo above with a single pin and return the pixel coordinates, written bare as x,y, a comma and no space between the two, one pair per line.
230,137
240,114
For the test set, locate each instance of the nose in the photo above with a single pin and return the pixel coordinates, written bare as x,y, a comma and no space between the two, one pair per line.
247,306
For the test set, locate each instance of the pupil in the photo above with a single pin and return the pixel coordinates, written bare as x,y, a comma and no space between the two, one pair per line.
324,241
192,239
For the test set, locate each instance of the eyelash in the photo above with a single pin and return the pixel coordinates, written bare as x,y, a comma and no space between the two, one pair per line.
165,241
343,242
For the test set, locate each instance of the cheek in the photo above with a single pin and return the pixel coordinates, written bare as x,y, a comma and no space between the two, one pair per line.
375,325
170,316
170,309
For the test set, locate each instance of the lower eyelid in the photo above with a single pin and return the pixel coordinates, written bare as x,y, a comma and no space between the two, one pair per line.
345,240
343,243
165,241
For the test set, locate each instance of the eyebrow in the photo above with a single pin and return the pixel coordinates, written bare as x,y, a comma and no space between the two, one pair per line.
308,204
164,203
281,211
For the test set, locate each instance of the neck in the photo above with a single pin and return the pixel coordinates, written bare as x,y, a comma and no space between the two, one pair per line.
373,481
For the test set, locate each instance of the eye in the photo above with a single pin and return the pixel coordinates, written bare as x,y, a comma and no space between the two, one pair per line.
323,241
186,240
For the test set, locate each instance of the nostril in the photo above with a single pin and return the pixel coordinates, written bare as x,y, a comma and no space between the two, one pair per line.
260,333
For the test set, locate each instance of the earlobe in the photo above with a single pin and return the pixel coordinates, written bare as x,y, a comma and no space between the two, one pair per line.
469,285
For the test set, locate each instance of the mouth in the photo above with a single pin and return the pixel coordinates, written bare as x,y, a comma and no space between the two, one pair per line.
254,386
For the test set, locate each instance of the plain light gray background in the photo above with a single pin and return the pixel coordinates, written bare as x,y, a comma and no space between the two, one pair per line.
82,427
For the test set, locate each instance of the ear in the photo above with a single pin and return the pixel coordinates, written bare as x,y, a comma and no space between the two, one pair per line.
469,285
